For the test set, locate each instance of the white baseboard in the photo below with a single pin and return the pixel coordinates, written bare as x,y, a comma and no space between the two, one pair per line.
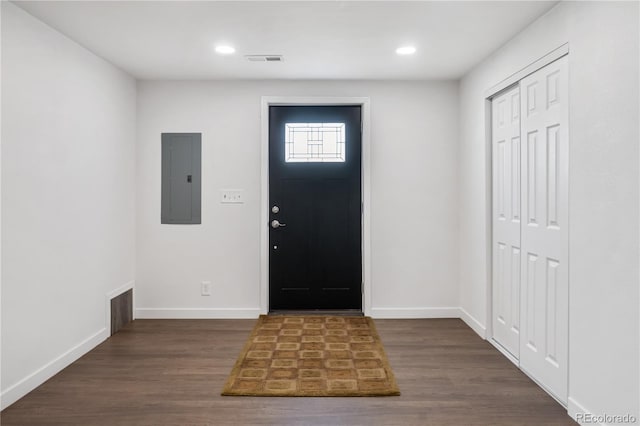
222,313
574,408
197,313
38,377
397,313
473,323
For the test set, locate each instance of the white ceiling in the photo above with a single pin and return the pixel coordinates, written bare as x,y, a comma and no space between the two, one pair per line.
319,40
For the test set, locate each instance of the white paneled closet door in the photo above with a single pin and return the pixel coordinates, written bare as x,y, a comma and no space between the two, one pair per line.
544,233
506,219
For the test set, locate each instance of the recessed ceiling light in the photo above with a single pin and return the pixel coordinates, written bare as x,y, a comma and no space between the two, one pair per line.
406,50
224,49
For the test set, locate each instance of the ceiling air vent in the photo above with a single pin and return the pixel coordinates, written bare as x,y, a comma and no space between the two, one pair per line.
264,58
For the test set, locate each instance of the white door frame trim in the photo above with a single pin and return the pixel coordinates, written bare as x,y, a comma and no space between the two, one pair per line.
514,78
363,102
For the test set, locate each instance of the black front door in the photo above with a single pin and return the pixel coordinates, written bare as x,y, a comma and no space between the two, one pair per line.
315,254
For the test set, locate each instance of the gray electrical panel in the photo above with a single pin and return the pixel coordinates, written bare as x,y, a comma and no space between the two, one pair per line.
181,178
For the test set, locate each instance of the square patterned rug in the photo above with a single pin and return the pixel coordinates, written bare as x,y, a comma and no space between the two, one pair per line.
312,356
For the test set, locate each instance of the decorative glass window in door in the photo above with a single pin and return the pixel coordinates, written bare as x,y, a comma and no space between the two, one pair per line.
314,143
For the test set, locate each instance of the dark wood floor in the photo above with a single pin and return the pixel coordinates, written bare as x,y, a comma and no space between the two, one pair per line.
170,372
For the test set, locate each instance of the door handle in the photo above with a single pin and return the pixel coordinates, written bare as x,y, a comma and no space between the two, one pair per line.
276,224
189,178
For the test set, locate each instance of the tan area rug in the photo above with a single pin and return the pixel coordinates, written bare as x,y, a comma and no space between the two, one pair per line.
312,356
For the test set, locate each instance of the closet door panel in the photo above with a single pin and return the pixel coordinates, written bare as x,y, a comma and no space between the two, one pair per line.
545,244
506,147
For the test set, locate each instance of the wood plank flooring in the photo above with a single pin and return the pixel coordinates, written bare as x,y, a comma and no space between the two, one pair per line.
171,372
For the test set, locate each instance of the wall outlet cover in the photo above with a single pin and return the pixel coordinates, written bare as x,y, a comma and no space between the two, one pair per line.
205,288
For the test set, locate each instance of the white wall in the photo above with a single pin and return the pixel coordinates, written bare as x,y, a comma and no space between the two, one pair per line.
68,163
414,205
604,234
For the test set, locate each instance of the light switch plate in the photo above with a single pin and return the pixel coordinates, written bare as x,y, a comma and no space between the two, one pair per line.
231,196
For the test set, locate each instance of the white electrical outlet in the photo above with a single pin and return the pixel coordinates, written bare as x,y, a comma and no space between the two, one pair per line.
205,288
231,196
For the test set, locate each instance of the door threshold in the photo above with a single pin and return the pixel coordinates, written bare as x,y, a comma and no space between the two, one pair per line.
334,312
